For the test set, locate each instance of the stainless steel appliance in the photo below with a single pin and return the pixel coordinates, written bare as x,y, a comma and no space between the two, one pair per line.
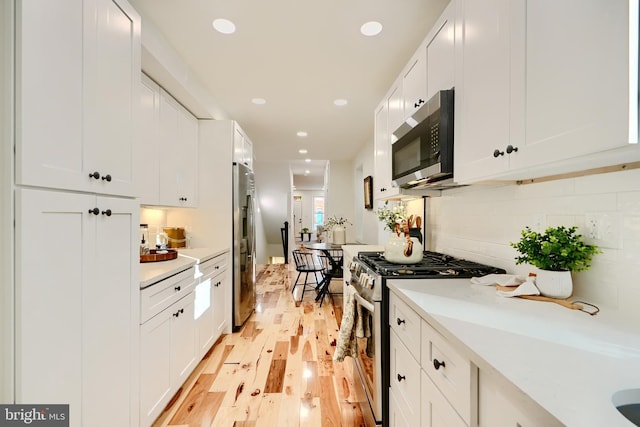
369,272
244,264
422,156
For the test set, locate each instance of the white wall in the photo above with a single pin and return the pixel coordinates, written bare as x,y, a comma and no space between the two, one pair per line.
6,203
340,194
365,221
478,222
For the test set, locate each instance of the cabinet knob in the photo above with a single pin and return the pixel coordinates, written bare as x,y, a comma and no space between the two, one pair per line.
383,189
94,211
183,199
107,178
401,377
437,364
107,212
419,103
177,288
511,149
95,175
400,321
217,284
498,153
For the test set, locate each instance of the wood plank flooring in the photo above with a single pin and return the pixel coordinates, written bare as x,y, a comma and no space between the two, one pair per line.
278,370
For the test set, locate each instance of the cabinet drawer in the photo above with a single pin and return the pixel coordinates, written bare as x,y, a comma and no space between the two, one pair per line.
448,369
161,295
436,411
406,323
214,266
396,416
405,380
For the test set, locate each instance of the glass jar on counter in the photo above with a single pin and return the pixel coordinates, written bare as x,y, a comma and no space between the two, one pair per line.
144,239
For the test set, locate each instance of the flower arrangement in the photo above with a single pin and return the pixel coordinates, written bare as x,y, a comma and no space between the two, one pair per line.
335,221
391,216
557,249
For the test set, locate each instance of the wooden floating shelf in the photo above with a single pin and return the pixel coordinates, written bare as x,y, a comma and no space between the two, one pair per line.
155,256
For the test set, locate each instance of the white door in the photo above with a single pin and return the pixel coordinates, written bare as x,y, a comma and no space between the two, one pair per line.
297,215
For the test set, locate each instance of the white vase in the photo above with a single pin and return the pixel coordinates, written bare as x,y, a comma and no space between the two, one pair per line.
394,250
339,235
554,284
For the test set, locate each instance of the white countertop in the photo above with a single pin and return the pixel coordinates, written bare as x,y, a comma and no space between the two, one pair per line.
152,272
570,363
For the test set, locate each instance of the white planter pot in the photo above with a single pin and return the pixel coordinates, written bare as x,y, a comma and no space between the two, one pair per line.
554,284
395,247
339,235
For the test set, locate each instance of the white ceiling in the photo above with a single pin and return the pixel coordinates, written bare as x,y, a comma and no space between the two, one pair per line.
300,56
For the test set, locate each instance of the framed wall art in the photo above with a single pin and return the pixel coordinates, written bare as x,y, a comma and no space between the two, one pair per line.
368,192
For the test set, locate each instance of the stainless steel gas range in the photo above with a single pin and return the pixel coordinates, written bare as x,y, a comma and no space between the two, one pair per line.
369,273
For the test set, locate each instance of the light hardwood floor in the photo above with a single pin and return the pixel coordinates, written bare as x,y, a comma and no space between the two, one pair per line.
278,370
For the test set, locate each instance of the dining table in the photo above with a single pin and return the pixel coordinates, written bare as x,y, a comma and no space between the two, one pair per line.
334,254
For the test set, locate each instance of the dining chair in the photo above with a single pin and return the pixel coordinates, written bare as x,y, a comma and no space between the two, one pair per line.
307,263
331,261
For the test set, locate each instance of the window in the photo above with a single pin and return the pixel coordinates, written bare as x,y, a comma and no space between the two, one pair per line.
318,211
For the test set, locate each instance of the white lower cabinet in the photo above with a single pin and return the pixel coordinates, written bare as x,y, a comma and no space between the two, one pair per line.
436,411
210,307
168,354
430,382
500,404
77,305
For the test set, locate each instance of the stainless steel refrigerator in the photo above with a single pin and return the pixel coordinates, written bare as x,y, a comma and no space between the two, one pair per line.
244,264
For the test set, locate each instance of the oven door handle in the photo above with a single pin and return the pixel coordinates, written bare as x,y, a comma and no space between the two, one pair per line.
363,302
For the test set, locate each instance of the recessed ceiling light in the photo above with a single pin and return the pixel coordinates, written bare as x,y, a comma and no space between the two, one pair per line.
302,134
302,151
307,160
340,102
259,101
224,26
371,28
307,172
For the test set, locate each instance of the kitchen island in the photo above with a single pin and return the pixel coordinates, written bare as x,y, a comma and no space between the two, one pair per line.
564,361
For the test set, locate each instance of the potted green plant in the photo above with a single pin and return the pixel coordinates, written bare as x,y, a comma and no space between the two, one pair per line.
305,230
557,252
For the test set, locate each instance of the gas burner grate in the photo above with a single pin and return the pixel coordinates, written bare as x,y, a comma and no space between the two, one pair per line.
433,264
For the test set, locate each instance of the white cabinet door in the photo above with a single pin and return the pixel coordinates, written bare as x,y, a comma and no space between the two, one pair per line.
183,340
440,58
49,94
382,146
414,83
395,109
155,366
109,317
435,410
242,147
77,80
565,105
178,154
220,290
501,404
75,307
111,84
148,167
482,89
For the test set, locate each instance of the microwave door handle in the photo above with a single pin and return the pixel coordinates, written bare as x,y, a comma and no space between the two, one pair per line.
363,302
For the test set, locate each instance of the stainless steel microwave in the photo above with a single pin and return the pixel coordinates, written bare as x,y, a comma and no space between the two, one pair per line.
422,156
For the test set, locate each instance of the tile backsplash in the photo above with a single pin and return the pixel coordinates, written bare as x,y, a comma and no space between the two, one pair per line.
478,222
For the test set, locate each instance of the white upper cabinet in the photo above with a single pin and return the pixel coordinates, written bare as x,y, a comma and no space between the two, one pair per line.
414,84
440,53
242,147
382,149
148,167
77,65
544,88
395,109
178,154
